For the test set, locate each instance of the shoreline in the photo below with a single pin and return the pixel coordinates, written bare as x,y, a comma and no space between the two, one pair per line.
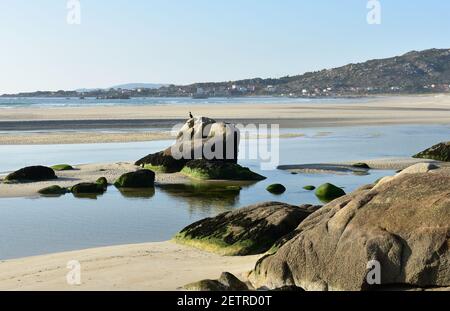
100,124
150,266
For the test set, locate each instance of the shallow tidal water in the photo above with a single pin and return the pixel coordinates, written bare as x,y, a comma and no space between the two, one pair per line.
46,225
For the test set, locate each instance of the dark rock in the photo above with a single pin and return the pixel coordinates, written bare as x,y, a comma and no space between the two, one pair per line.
53,190
246,231
309,188
138,179
87,188
162,162
276,188
439,152
103,182
288,288
218,170
402,223
31,174
361,165
328,192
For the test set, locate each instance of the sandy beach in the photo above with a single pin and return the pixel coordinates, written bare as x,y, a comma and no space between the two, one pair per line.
51,125
151,266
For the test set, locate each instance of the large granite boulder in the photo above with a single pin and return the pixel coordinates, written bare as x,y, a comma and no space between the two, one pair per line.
219,170
403,223
439,152
245,231
199,138
138,179
31,174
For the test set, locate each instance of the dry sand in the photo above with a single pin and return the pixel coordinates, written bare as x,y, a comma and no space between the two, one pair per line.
151,266
375,111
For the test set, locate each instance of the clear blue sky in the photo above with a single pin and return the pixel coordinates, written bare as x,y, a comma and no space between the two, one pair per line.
184,41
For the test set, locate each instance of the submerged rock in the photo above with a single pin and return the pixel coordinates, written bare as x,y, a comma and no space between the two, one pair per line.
404,225
62,167
309,188
439,152
53,190
246,231
361,165
328,192
31,174
138,179
276,188
218,170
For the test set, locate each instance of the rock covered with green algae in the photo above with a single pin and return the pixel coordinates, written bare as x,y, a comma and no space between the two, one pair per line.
329,192
246,231
276,188
62,167
439,152
219,170
138,179
53,190
31,174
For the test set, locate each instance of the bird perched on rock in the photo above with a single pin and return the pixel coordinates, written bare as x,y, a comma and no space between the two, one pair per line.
190,115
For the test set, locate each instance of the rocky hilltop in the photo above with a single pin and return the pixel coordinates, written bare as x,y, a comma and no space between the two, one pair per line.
415,72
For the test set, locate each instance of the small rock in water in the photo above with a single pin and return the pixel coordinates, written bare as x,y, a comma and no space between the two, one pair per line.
329,192
276,189
309,188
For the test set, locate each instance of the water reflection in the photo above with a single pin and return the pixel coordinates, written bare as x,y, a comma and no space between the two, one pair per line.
144,193
219,196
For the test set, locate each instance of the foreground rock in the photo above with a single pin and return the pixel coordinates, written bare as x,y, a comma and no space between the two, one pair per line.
226,282
31,174
138,179
246,231
218,170
439,152
404,224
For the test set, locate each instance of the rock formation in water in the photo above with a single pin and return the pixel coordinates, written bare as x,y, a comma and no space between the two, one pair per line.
204,149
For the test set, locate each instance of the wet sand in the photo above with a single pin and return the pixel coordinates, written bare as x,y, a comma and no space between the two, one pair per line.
91,124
